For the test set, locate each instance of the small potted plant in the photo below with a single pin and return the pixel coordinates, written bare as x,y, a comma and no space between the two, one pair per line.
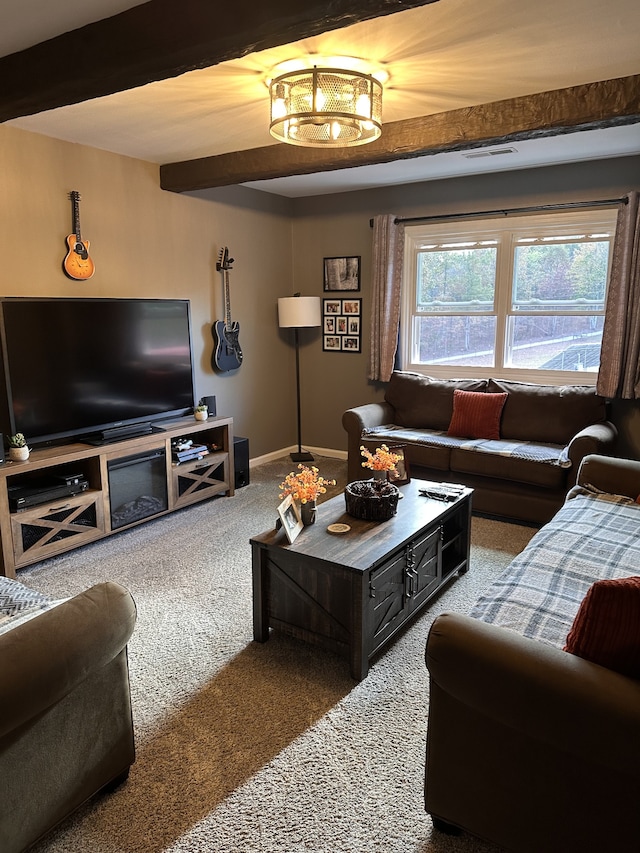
18,449
201,412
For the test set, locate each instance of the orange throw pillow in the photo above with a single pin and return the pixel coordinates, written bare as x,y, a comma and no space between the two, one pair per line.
606,629
476,414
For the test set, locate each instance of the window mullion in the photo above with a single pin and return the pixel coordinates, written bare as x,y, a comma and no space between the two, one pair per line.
504,279
409,302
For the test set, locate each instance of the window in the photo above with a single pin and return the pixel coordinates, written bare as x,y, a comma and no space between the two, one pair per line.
522,296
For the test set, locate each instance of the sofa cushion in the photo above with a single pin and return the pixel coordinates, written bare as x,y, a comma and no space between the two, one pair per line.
606,629
535,464
540,592
547,413
423,402
422,448
476,415
522,462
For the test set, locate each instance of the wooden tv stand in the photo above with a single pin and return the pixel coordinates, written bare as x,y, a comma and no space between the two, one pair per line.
62,524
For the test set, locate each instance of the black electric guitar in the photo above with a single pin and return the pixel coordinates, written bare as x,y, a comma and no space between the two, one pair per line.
77,263
227,355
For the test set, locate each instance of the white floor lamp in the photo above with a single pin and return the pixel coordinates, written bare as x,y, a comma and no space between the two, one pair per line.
297,312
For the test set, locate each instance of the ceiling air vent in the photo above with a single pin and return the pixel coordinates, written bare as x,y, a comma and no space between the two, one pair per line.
494,152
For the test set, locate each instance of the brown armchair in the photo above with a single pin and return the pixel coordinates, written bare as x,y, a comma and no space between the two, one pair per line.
65,730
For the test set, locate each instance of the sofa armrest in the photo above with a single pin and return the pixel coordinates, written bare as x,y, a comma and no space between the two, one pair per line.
610,474
45,658
596,438
355,421
550,696
365,417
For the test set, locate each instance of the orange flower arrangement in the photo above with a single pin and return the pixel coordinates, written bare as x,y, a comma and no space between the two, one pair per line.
304,486
382,460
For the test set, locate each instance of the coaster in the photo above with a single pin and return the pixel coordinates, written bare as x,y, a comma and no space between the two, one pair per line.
338,528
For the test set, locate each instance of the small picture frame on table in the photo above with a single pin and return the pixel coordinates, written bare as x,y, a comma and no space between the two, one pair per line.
290,517
342,273
400,476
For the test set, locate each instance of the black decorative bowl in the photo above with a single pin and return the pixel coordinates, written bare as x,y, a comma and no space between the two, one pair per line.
371,500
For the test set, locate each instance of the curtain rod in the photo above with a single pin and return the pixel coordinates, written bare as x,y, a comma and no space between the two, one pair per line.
608,202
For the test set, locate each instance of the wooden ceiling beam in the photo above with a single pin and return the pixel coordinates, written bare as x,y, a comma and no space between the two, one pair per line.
585,107
164,38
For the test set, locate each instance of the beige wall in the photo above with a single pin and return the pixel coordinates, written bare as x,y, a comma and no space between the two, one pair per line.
146,242
149,243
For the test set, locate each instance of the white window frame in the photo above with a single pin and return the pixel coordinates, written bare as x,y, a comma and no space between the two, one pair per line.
507,230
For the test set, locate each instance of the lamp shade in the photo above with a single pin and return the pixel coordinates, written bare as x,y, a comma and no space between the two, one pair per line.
298,311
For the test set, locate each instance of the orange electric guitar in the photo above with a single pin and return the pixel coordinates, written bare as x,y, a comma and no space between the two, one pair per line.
77,264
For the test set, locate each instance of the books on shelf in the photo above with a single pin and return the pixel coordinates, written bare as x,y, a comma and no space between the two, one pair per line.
192,451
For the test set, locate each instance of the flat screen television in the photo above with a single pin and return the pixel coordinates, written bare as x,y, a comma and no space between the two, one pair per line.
93,369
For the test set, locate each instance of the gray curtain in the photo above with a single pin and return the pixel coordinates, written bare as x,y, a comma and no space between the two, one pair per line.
388,256
619,374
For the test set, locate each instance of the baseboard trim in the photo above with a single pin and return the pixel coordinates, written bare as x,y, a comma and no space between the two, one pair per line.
285,451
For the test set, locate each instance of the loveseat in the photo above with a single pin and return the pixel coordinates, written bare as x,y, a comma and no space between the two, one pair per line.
531,746
65,730
523,471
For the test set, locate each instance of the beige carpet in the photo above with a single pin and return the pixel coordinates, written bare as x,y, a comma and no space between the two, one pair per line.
258,748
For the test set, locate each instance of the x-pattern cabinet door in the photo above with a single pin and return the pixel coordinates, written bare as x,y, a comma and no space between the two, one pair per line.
401,585
423,567
387,599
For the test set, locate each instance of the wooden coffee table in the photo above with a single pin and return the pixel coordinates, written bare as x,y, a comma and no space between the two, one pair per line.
352,593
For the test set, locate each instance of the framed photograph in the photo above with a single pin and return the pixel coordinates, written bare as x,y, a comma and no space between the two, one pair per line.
351,307
401,475
290,517
351,343
342,273
330,325
341,325
331,343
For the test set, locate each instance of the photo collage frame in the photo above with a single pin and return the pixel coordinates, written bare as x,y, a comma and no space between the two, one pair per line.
342,325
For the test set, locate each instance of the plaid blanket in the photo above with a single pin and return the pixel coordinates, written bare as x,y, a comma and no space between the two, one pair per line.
593,536
18,603
531,451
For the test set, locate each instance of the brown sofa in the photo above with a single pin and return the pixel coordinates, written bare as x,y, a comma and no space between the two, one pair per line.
545,431
528,746
66,730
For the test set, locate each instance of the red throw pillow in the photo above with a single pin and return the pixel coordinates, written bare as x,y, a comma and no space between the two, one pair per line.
476,414
606,629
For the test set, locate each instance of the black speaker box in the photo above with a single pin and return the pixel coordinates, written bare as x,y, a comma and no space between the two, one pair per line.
210,403
241,461
1,447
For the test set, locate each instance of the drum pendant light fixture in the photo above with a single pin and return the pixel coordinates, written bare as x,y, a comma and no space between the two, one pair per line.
325,107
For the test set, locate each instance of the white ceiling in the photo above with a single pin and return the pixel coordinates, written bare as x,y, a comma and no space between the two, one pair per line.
440,57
